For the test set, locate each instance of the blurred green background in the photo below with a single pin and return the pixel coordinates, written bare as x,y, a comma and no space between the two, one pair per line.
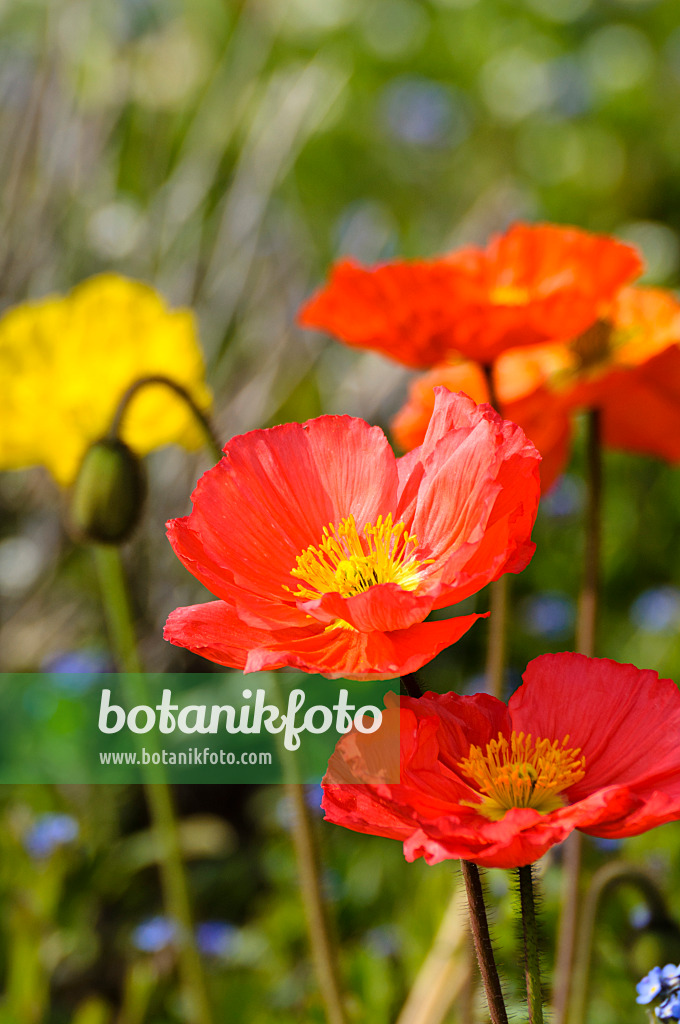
227,152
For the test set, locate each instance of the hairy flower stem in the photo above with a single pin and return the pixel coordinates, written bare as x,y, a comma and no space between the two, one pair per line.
155,379
482,941
532,970
324,953
158,795
585,644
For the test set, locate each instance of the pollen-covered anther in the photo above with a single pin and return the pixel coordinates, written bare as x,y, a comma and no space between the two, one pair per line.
347,562
521,773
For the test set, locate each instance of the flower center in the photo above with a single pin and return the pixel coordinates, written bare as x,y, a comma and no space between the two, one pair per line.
594,345
522,773
509,295
347,563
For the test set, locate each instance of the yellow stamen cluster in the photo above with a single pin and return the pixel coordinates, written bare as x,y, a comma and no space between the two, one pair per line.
348,563
522,773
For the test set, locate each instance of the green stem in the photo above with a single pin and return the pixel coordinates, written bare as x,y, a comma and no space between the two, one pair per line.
585,643
158,795
482,940
117,607
532,969
155,379
495,652
322,942
587,619
324,953
498,591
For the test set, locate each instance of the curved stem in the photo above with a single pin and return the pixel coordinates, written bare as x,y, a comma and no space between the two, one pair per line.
606,878
532,969
154,379
585,643
482,940
158,795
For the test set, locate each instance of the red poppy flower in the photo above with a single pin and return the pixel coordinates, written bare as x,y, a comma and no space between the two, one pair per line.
327,553
584,743
535,283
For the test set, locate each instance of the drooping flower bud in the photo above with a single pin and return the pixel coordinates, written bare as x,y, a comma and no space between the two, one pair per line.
108,495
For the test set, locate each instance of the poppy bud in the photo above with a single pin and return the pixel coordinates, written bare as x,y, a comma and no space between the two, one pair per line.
108,495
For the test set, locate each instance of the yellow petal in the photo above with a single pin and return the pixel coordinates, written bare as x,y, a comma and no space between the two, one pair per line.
66,361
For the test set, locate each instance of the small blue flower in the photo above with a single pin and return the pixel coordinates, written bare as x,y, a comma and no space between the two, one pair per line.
216,938
606,845
669,1009
670,977
640,916
657,610
547,614
422,112
49,832
84,665
383,941
314,796
564,499
650,986
153,935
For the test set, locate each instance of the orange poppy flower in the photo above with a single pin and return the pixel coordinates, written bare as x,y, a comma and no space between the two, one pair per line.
533,284
406,310
327,554
627,365
641,409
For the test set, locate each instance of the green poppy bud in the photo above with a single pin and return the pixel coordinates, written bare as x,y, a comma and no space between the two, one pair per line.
108,495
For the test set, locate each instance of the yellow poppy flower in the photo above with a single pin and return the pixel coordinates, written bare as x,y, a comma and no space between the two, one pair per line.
66,361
